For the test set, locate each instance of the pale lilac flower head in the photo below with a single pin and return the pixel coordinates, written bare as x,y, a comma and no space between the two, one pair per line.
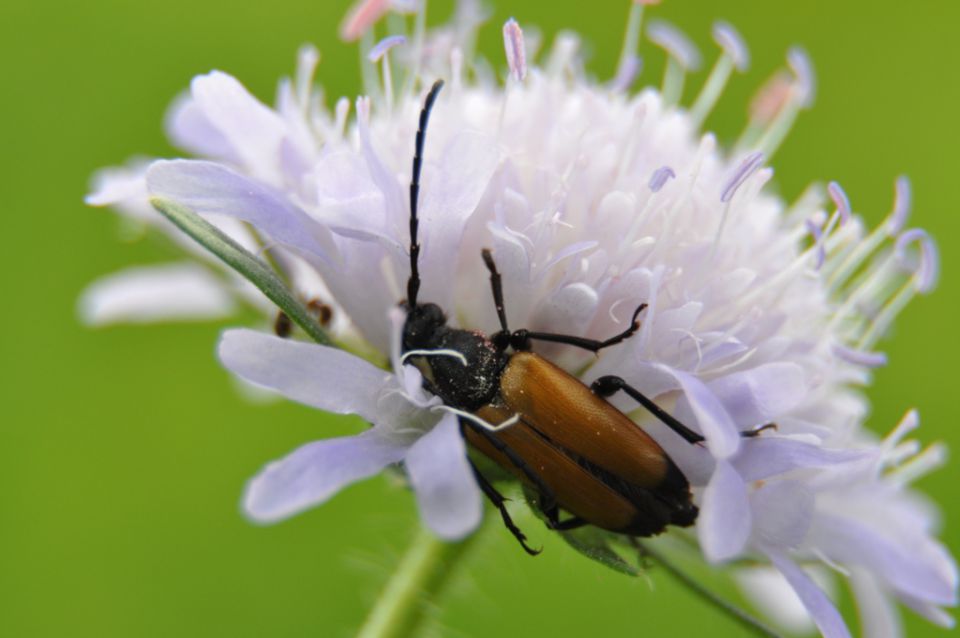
592,199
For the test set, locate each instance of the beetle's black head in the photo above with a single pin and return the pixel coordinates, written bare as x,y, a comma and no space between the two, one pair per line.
424,323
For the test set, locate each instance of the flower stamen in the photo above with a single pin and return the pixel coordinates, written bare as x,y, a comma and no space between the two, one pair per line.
735,55
379,53
515,50
628,67
682,56
798,97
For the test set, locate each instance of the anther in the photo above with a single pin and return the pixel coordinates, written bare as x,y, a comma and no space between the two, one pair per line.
806,82
727,37
380,48
660,177
860,357
927,271
746,168
902,201
677,45
840,199
514,47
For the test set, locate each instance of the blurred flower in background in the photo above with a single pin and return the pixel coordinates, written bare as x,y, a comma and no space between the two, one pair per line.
592,196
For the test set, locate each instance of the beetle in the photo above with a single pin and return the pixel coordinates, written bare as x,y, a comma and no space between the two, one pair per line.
558,436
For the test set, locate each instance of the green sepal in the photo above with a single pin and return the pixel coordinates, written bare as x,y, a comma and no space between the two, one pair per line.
597,545
594,543
242,261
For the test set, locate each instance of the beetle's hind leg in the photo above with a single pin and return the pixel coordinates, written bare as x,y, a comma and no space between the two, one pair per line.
499,501
554,522
610,385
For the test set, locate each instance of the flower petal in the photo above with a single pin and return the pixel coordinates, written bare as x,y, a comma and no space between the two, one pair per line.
252,129
208,187
315,472
318,376
452,189
447,494
725,518
825,614
909,561
157,293
761,394
766,456
773,595
188,128
782,511
723,437
877,611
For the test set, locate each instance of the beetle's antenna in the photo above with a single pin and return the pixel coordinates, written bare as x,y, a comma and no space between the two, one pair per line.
413,284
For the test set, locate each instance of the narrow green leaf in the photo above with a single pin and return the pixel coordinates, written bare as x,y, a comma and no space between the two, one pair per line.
238,258
595,545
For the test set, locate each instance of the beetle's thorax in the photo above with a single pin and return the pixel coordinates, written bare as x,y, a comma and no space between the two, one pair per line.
468,381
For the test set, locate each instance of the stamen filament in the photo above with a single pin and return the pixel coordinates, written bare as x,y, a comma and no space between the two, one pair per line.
631,38
674,77
711,91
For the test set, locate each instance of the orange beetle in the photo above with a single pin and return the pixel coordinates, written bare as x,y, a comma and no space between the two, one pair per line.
558,436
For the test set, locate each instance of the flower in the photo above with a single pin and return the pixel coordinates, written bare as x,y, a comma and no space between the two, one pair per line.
406,427
592,198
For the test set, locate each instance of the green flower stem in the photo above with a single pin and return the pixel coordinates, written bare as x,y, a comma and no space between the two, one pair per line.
746,620
238,258
415,585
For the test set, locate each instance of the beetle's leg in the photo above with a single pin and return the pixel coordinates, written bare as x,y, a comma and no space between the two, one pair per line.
496,285
554,522
546,494
609,385
749,434
520,339
499,501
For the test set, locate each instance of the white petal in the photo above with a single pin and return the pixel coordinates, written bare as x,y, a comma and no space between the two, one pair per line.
765,456
207,187
725,519
315,472
452,189
567,310
188,128
761,394
116,184
824,613
253,130
782,511
325,378
931,612
723,437
385,180
775,597
912,563
125,189
157,293
447,494
877,611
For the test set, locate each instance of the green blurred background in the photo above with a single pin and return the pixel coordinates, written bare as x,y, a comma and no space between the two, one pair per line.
124,450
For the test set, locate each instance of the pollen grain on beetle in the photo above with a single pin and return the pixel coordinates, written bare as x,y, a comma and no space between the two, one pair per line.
592,198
